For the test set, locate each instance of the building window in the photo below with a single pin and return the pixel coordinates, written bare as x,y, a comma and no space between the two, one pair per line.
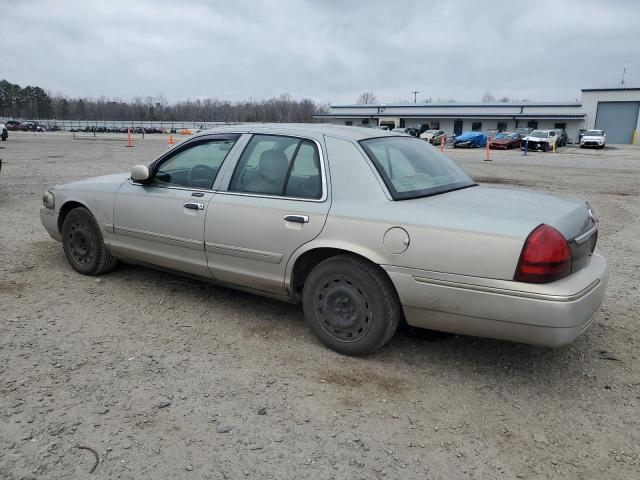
348,122
365,121
476,126
435,125
561,126
532,124
502,126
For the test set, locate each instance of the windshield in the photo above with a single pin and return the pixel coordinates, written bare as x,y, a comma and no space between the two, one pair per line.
539,134
411,168
506,135
593,133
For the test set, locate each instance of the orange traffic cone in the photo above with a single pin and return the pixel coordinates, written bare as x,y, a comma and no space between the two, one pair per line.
442,144
488,159
170,141
129,139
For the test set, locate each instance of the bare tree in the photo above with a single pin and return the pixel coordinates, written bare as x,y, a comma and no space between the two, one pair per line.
367,98
488,98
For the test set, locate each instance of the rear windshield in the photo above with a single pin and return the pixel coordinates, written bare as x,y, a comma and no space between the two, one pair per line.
412,168
593,133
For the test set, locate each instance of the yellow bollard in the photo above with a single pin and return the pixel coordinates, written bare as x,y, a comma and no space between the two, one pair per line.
554,148
635,137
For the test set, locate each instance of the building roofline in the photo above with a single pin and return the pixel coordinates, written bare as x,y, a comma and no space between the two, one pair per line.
569,116
463,105
625,89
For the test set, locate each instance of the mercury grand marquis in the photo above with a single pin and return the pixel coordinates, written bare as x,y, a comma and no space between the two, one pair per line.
363,227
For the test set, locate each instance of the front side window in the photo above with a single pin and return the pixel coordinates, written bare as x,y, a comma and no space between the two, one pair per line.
280,166
194,167
411,168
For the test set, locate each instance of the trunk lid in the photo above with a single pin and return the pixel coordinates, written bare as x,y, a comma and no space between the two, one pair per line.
501,211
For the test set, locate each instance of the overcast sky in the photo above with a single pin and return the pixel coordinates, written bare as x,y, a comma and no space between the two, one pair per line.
330,51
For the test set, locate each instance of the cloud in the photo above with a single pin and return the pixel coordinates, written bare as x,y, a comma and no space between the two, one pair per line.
327,50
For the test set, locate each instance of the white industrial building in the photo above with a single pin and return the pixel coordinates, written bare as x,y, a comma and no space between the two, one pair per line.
617,111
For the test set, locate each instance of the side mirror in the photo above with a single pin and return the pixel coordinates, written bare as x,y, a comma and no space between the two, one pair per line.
140,173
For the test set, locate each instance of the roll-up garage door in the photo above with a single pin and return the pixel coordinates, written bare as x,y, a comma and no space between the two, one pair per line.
618,120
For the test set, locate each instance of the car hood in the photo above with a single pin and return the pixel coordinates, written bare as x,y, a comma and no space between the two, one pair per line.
592,137
103,183
499,211
501,140
536,139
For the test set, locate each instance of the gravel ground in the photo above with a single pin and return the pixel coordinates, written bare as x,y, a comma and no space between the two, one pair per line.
165,377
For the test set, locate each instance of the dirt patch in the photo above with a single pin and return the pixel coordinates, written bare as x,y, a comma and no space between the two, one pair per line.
364,378
10,288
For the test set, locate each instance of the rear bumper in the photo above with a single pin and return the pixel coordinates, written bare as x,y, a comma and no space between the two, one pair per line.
551,315
49,219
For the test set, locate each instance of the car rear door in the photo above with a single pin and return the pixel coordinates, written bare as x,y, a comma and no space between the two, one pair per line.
273,201
162,222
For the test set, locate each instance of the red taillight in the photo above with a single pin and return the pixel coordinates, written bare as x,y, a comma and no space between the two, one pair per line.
545,257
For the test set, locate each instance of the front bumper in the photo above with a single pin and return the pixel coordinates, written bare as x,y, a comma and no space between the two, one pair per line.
551,314
49,219
534,145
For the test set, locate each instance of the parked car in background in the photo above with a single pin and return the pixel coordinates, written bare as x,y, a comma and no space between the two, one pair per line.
470,140
14,125
397,231
505,141
593,138
523,131
4,133
562,137
434,137
540,140
32,127
401,130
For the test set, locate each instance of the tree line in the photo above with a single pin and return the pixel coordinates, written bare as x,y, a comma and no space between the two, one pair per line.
35,103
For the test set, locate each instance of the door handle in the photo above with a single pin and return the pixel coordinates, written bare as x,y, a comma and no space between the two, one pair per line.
194,206
297,218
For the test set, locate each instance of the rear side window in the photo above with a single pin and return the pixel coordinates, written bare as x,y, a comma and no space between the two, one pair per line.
279,166
412,168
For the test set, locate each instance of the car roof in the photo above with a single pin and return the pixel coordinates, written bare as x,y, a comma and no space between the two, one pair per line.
313,130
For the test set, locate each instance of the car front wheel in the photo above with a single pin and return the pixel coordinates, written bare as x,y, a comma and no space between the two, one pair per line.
83,245
351,305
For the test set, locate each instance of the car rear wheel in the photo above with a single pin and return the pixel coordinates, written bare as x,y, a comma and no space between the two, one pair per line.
351,305
83,244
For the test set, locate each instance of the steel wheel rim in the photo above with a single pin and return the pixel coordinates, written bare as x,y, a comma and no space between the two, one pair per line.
343,308
81,243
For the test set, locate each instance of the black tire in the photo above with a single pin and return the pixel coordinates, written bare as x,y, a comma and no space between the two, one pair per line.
351,305
4,136
83,244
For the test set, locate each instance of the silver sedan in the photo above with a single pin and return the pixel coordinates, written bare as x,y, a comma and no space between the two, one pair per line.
361,226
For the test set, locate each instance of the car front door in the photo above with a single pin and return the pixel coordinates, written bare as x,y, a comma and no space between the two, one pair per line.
162,221
274,200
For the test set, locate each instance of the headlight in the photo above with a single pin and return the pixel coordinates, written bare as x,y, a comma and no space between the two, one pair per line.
48,200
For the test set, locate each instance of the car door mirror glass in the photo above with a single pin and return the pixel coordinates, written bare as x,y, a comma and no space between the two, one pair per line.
140,173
